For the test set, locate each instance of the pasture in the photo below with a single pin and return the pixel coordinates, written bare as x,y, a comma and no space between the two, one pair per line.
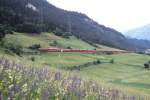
127,73
127,70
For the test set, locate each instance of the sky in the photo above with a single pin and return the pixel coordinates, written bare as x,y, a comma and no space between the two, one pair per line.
121,15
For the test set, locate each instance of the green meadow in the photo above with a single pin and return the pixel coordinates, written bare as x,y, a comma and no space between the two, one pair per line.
127,73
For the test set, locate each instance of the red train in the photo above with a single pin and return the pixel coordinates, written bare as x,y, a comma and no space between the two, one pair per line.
63,50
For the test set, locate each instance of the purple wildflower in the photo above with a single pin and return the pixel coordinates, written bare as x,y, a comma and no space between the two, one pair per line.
57,76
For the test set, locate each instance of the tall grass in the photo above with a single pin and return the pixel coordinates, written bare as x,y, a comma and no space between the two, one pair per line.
18,82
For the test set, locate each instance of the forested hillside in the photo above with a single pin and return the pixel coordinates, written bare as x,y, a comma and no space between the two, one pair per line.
36,16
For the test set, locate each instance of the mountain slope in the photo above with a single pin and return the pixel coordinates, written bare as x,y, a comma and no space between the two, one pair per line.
140,44
140,33
35,16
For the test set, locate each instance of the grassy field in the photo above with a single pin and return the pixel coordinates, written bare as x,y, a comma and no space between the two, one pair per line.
46,39
74,43
127,73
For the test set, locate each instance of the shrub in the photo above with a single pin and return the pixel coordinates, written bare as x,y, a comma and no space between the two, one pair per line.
2,32
32,58
109,53
146,65
67,35
148,62
54,43
97,62
4,29
79,67
69,47
35,46
58,32
112,61
15,48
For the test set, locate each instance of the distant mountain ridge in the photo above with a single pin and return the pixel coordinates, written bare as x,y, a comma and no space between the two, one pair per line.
35,16
139,33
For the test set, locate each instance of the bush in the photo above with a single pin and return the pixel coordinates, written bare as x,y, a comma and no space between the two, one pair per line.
112,61
148,62
33,59
146,65
58,32
4,29
69,47
15,48
66,35
97,62
54,43
109,53
35,46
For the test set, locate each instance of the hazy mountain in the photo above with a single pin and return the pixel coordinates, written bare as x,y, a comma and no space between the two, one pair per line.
140,43
35,16
139,33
